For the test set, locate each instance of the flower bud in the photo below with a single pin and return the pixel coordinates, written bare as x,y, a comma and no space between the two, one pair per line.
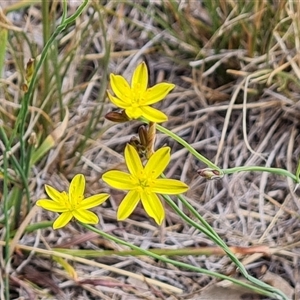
29,70
209,173
32,140
143,135
117,117
151,136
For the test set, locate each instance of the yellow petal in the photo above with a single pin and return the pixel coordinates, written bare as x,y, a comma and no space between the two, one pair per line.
128,205
121,88
157,93
133,161
158,162
153,114
76,189
85,216
54,194
51,205
153,206
139,81
62,220
133,112
117,102
168,186
93,201
118,179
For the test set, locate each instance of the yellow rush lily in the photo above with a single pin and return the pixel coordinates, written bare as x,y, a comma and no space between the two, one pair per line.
143,183
136,98
72,204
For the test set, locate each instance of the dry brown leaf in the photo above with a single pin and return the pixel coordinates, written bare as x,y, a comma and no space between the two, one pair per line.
279,283
229,293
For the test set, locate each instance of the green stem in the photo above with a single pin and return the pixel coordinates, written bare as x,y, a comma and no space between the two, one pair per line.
33,227
46,35
186,145
7,222
21,172
277,171
298,170
65,9
166,252
20,125
180,264
21,120
209,231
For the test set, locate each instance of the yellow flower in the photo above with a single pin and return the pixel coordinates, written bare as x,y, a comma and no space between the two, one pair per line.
143,183
135,99
72,204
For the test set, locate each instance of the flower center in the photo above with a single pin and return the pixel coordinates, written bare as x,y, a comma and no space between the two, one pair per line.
144,182
71,205
136,99
76,204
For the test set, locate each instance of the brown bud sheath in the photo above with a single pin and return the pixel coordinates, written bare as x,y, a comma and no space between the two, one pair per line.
117,117
151,139
143,135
